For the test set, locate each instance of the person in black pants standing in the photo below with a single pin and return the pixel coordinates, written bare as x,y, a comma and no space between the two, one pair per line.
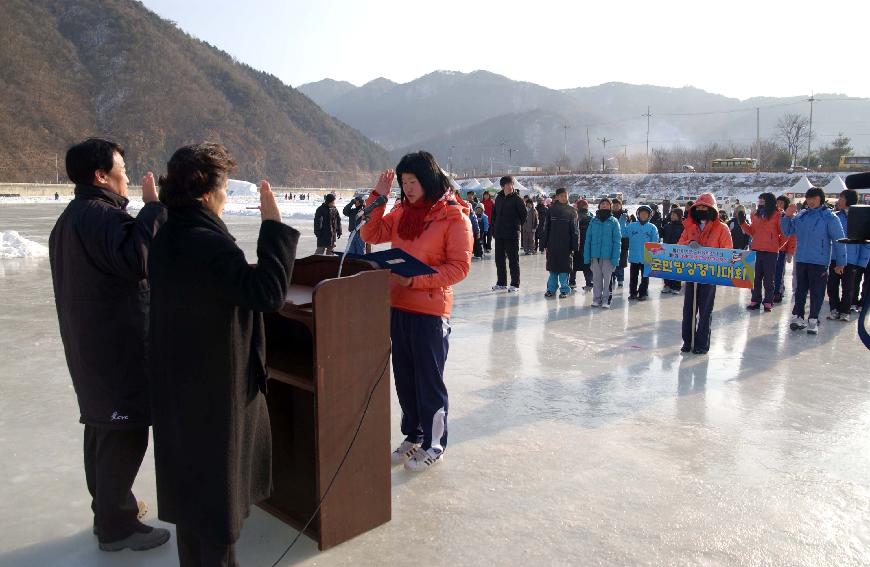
509,215
98,256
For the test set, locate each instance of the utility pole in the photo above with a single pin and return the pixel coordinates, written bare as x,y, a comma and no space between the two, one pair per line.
758,138
565,128
648,116
810,100
588,152
511,152
604,141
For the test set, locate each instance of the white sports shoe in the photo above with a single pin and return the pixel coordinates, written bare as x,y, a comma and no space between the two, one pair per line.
403,452
596,304
812,326
605,305
512,288
497,287
422,460
797,323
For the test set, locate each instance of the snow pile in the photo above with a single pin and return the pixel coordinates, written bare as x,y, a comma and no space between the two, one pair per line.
13,245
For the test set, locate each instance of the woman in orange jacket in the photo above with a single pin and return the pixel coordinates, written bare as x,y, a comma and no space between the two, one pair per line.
767,240
702,228
430,223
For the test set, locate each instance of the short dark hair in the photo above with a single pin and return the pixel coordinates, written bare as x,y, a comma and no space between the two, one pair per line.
614,201
850,195
328,198
193,171
469,192
677,210
561,190
505,180
423,166
816,192
785,200
603,200
84,158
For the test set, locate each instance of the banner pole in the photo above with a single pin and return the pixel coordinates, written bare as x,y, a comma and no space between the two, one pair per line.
694,311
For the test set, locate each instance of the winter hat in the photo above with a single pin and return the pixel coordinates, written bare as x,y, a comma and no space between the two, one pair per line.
548,201
644,208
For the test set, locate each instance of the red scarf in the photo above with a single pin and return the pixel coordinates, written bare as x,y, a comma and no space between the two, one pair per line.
412,223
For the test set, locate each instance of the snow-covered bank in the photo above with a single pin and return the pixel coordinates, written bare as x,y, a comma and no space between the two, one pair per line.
13,245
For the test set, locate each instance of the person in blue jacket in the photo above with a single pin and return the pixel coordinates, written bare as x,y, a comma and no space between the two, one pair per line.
602,248
817,230
639,233
483,222
856,258
622,217
477,248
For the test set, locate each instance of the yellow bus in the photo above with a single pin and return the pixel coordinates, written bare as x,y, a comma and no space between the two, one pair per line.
855,162
736,164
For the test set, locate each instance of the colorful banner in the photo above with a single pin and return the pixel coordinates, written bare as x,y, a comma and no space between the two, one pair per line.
717,266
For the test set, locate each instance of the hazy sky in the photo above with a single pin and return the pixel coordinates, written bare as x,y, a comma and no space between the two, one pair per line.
737,48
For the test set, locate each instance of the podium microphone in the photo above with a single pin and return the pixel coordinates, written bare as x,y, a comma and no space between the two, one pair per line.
381,200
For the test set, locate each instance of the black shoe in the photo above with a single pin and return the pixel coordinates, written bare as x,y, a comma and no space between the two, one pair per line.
777,298
753,306
563,295
145,537
632,296
641,298
549,294
685,348
699,350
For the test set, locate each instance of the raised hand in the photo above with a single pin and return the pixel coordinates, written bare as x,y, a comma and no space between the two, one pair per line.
385,182
268,206
149,190
791,211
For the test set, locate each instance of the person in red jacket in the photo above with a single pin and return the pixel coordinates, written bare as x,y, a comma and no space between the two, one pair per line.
767,240
430,223
487,203
702,228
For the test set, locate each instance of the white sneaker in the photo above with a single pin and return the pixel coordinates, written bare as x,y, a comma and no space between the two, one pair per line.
512,288
845,317
596,304
605,305
812,326
497,287
797,323
422,460
833,315
403,452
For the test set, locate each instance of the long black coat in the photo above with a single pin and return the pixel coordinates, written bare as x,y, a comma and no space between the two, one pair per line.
99,255
583,219
509,214
327,225
560,238
212,439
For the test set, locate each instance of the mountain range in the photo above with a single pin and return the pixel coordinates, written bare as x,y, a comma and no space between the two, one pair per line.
74,69
480,118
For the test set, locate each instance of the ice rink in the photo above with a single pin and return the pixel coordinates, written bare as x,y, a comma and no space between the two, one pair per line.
577,437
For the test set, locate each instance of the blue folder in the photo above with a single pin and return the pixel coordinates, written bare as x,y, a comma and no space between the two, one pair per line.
397,261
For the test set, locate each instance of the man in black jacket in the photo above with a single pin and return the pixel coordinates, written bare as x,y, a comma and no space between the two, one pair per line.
327,225
509,214
99,255
561,238
351,211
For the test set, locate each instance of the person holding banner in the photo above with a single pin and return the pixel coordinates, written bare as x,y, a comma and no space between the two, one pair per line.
702,227
767,239
430,223
817,230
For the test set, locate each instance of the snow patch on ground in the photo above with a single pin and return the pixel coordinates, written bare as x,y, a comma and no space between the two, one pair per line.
13,245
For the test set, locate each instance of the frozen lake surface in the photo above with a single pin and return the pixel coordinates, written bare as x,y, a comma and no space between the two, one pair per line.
577,437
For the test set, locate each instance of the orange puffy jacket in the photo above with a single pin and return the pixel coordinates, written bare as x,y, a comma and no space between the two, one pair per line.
715,233
445,245
766,233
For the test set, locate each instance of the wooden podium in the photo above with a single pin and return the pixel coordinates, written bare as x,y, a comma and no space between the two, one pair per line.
326,349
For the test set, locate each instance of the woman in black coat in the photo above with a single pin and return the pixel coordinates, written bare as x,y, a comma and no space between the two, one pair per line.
212,438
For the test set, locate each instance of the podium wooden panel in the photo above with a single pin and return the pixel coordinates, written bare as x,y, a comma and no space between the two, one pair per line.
325,350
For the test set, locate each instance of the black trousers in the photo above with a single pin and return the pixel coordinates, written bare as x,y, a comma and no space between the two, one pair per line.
765,275
507,249
706,298
811,279
193,551
587,275
112,460
838,302
633,289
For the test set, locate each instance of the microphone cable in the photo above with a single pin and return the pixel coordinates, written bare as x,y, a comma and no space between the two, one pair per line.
341,463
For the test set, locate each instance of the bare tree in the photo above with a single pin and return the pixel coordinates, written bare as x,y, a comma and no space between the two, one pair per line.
792,130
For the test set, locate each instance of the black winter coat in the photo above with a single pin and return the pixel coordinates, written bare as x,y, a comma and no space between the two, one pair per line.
561,237
351,213
509,214
583,219
327,225
740,239
671,232
212,438
99,258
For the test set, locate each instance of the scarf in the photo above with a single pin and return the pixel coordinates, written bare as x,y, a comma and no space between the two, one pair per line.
412,223
603,214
